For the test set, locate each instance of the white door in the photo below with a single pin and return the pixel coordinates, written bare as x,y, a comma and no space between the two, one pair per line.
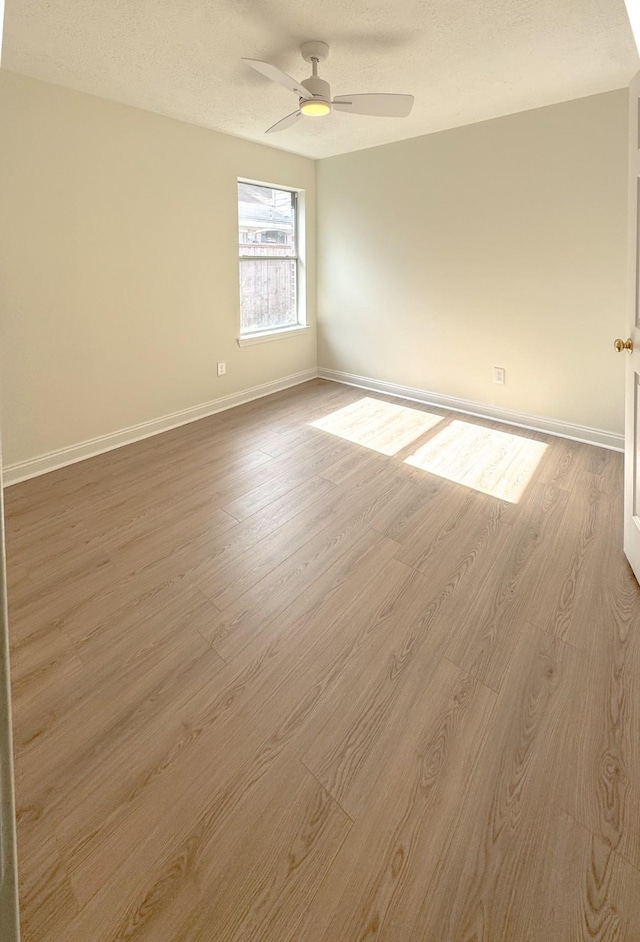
629,347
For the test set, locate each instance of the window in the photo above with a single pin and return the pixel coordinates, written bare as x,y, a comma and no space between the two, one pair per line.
269,260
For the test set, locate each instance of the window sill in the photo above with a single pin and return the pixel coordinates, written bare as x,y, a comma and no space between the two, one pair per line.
265,337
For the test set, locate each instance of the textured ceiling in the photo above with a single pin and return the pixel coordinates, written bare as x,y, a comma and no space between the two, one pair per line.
464,61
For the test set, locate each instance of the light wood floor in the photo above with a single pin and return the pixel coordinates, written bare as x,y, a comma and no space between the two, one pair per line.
271,685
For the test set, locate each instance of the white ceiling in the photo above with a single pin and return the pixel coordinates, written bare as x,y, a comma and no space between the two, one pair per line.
464,60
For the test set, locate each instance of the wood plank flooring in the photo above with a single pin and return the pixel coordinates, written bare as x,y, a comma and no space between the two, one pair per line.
277,681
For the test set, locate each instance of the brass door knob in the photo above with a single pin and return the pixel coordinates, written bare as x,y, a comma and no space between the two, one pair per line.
621,345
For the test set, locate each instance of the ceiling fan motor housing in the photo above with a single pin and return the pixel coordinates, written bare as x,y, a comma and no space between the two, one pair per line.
318,87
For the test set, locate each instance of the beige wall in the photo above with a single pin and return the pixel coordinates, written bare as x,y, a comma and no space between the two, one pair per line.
497,244
118,266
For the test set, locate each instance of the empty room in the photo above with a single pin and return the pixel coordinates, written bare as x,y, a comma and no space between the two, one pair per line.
319,371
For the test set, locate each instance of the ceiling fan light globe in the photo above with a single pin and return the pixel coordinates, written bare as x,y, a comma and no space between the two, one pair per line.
315,108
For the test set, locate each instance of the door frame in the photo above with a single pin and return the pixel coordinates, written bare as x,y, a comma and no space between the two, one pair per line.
9,907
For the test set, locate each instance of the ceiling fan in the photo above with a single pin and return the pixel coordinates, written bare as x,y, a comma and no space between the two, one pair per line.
314,93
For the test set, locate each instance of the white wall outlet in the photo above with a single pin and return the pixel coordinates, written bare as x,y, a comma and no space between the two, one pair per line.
222,369
498,375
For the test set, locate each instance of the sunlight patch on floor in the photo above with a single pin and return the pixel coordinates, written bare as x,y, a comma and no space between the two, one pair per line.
495,463
382,426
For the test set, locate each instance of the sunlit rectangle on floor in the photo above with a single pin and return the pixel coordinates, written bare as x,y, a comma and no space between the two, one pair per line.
495,463
382,426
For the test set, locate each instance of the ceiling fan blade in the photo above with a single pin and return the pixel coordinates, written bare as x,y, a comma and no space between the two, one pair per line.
277,75
284,123
381,106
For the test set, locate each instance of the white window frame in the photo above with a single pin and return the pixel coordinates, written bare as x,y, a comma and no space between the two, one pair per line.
292,330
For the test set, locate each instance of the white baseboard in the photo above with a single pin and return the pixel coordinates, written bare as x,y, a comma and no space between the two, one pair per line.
22,470
578,433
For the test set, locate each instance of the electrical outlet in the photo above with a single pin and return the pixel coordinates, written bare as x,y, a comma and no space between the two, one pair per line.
499,375
222,369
